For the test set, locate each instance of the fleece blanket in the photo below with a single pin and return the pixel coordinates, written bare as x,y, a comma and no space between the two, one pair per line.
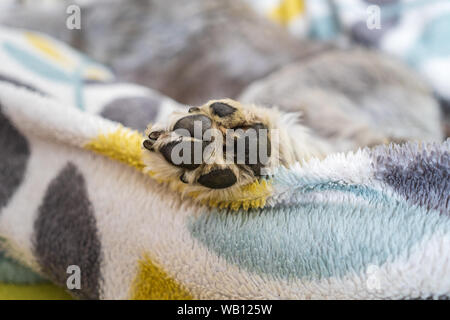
73,194
41,64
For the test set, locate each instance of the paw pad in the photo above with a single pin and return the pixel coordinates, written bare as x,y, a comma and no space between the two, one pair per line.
218,179
188,123
183,145
222,109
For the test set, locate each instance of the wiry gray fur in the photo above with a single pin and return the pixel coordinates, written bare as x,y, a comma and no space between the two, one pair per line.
353,98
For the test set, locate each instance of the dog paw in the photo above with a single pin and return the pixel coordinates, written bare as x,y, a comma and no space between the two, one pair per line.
219,145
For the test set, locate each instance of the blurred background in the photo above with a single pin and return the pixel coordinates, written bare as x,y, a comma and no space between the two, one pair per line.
197,50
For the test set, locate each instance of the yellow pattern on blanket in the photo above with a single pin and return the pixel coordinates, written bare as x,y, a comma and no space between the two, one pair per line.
287,11
153,283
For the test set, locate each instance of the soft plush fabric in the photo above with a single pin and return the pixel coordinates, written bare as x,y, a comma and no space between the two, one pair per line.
40,64
369,224
374,224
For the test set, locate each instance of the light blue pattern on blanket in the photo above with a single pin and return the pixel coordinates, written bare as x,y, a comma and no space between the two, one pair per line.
299,186
314,240
46,70
426,23
36,64
323,24
434,42
323,28
13,272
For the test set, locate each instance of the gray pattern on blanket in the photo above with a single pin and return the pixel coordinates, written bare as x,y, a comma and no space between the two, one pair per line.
420,177
66,233
133,112
15,152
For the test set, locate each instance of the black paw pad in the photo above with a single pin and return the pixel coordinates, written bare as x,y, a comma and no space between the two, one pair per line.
218,179
222,109
256,168
252,154
259,127
174,152
188,123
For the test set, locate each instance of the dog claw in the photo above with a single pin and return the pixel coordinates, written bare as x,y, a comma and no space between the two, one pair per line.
148,144
154,135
